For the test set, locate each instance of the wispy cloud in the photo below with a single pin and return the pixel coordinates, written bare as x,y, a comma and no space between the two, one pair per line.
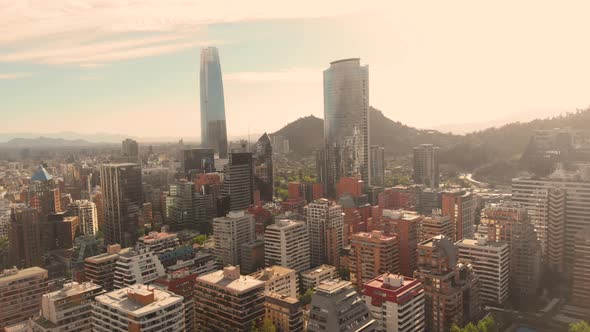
86,32
14,76
291,75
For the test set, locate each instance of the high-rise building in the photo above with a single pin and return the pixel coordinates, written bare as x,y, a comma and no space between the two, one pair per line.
87,216
451,288
252,256
314,277
278,279
286,243
406,226
228,301
336,306
461,206
396,302
230,232
20,294
238,181
137,266
196,161
213,127
581,282
325,227
138,308
284,312
555,247
377,157
130,149
68,309
181,282
122,199
491,261
426,170
372,254
437,224
43,193
187,207
24,238
100,269
346,124
263,168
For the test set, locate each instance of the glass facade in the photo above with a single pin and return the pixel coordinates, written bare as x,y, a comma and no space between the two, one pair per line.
213,128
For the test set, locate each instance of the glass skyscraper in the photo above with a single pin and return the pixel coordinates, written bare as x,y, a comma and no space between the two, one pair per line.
346,125
213,128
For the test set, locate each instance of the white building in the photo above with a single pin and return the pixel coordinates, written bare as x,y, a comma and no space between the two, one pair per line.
87,216
230,232
314,277
325,226
278,279
138,308
68,309
286,243
137,266
491,261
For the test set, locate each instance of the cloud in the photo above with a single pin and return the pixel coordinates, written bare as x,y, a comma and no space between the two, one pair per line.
85,32
292,75
14,76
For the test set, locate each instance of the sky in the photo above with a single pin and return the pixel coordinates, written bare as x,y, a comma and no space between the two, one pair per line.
131,67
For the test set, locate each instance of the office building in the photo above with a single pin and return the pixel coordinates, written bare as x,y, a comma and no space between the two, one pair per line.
581,271
122,200
58,231
213,127
315,276
491,261
278,279
230,232
286,243
396,302
228,301
451,288
197,161
24,238
263,168
68,309
336,306
238,181
138,308
187,207
325,227
284,312
87,216
437,224
377,156
372,254
137,266
346,122
461,206
20,294
130,149
426,170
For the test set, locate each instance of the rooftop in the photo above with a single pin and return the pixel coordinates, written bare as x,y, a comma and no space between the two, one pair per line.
239,284
318,270
136,300
41,175
271,272
345,60
332,286
393,284
10,275
153,236
71,289
481,242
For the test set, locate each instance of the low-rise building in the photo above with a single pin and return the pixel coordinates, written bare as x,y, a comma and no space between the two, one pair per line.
314,277
137,266
278,279
284,312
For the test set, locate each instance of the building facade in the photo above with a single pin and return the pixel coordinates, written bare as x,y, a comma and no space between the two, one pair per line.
325,227
238,183
286,243
426,169
20,294
213,126
230,233
372,254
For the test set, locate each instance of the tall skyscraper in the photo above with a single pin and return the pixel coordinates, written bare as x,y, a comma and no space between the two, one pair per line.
213,128
263,168
426,165
238,182
377,166
346,125
122,199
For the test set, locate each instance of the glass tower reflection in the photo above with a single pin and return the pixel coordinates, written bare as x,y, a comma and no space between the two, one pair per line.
213,127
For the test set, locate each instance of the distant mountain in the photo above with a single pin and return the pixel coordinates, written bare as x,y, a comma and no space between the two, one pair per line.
304,134
44,142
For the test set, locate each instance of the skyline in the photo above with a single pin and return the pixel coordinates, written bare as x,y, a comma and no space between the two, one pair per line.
109,65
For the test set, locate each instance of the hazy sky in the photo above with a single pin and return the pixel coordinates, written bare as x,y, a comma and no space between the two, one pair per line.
131,67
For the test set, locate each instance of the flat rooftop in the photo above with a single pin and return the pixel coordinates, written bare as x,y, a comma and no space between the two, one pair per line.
408,284
318,270
332,286
11,275
239,285
269,273
71,289
486,243
121,301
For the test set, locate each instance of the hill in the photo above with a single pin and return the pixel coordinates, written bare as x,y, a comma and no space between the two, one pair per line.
44,142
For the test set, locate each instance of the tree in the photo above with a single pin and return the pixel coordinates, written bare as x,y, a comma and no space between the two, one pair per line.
344,273
200,239
580,326
456,328
268,326
305,299
485,325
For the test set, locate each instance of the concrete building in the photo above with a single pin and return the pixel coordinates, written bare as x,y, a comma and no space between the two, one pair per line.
451,288
130,149
138,308
68,309
100,269
426,170
372,254
227,301
377,156
122,199
325,227
252,256
284,312
238,182
159,242
581,270
346,124
181,202
20,294
181,282
406,226
491,261
263,168
24,238
396,302
461,206
336,306
137,266
437,224
286,243
195,161
87,216
230,232
278,279
314,277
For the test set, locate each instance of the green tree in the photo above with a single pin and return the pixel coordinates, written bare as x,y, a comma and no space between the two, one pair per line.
200,239
305,299
580,326
344,273
268,326
456,328
487,325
